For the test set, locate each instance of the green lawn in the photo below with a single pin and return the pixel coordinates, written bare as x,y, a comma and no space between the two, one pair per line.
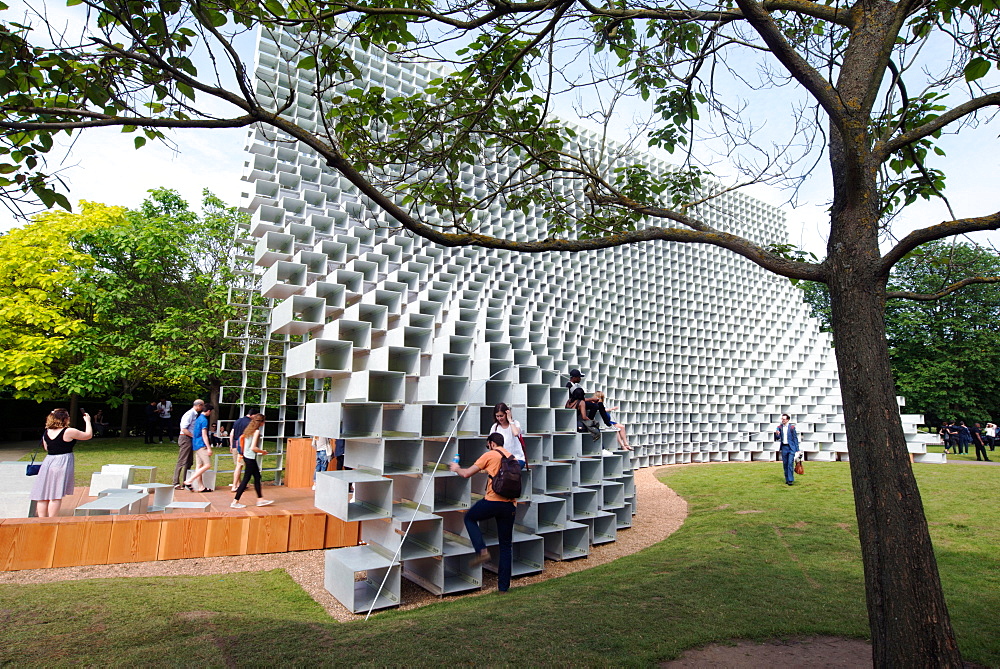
755,559
91,455
970,456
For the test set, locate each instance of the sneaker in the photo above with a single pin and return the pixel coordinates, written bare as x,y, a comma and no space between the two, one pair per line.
606,452
264,502
237,505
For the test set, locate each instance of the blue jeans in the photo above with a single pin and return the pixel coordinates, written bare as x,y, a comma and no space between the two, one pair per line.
504,514
322,462
788,460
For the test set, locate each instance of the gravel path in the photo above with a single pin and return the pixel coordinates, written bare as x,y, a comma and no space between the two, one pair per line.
661,511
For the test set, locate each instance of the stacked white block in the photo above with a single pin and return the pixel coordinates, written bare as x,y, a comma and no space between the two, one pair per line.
411,507
400,346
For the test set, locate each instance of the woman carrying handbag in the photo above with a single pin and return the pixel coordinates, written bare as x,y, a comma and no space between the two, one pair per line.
55,477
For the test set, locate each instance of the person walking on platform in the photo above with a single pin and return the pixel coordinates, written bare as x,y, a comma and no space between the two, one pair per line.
201,446
234,446
252,453
185,456
788,437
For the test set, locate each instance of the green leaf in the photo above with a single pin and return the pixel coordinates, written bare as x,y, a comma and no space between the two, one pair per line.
186,90
275,7
63,201
977,68
140,142
47,196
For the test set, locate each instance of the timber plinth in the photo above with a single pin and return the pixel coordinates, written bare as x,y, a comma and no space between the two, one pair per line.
292,523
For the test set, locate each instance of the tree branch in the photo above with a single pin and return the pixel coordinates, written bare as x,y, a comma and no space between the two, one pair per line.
705,235
888,148
501,9
817,86
928,297
105,120
940,231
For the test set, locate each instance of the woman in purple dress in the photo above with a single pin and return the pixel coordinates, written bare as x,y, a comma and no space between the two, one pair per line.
55,478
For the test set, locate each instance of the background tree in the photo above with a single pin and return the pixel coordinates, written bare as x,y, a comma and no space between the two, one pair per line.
943,351
44,304
817,296
108,300
158,285
867,104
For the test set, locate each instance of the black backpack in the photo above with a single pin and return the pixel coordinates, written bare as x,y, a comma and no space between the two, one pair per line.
507,482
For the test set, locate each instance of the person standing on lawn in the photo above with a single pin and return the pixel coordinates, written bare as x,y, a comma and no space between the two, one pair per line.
978,442
788,437
964,437
165,410
152,427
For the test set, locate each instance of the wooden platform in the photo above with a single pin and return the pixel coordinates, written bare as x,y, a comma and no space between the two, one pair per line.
292,523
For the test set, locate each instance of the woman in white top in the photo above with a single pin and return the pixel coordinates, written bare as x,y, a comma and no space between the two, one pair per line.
251,443
508,426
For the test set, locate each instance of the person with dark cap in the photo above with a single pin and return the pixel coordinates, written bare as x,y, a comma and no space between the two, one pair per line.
575,377
576,401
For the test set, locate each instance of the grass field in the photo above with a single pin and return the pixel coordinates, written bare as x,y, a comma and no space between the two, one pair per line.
755,559
967,457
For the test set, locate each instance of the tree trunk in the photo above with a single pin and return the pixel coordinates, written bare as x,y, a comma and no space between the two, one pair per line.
907,613
124,432
74,404
213,396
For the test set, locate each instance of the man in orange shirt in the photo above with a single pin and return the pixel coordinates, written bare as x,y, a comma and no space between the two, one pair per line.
491,506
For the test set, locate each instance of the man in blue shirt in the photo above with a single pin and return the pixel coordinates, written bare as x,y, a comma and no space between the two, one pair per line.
202,450
788,437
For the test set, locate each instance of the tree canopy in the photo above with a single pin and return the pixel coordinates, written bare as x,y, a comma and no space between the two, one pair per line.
508,71
870,96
